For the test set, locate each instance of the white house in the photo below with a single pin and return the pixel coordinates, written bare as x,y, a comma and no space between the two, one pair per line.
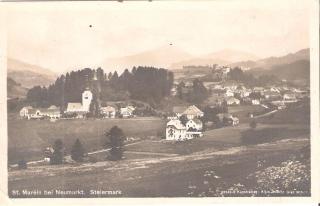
229,93
52,112
232,101
108,112
289,97
255,101
127,111
24,111
194,123
175,130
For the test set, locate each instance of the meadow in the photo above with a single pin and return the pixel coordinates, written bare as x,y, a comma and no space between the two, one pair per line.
28,138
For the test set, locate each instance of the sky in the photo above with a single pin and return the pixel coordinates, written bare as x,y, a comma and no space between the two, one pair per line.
58,35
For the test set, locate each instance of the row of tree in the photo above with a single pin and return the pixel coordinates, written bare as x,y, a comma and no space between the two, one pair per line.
147,84
195,95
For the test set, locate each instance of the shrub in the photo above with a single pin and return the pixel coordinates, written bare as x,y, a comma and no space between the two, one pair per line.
22,164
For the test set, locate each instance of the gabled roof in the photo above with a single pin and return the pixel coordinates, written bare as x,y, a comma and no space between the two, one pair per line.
108,109
192,110
176,123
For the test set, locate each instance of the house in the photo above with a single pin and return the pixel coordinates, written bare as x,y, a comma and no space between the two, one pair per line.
271,95
228,119
278,104
24,111
255,101
229,93
108,112
175,130
195,124
289,97
193,112
232,101
80,108
52,112
127,111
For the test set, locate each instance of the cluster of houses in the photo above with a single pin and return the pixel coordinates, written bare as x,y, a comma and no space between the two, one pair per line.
235,93
76,110
191,128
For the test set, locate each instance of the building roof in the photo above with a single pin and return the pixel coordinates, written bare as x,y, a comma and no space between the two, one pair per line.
72,106
176,123
108,109
193,110
53,107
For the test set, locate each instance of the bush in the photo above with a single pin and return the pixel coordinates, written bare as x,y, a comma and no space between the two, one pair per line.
253,124
22,164
57,156
77,151
115,140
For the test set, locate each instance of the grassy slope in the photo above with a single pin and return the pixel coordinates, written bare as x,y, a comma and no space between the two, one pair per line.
28,138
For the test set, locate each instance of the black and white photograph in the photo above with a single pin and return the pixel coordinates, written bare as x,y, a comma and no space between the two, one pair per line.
149,99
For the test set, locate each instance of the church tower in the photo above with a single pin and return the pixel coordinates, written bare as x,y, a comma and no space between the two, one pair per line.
86,100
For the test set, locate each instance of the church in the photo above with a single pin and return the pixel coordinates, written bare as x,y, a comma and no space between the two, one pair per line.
80,108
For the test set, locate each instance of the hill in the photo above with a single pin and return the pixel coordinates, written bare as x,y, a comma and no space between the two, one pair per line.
268,63
161,57
29,75
15,90
222,57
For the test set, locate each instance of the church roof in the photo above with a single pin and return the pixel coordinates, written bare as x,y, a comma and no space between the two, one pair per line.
72,106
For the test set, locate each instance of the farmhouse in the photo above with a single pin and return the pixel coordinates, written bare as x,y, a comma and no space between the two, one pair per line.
80,108
127,111
52,112
175,130
108,112
289,97
232,101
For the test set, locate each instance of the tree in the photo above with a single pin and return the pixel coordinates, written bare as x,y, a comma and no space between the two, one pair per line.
57,156
115,140
183,119
77,151
253,124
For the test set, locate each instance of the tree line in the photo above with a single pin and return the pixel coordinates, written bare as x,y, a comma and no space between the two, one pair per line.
148,84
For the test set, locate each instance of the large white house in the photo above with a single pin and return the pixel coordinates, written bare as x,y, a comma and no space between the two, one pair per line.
78,107
175,130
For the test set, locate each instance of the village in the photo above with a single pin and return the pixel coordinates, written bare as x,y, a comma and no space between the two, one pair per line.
186,122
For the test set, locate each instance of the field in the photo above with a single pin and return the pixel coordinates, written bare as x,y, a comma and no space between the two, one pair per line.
153,167
27,139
